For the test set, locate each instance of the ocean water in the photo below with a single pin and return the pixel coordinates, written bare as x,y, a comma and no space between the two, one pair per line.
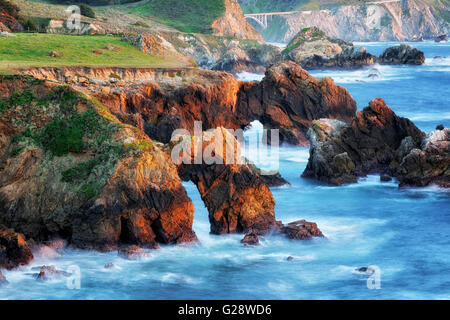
404,233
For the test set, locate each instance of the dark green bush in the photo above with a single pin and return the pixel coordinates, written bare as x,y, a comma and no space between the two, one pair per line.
87,11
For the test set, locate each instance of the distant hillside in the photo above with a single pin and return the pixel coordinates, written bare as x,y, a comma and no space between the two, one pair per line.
355,20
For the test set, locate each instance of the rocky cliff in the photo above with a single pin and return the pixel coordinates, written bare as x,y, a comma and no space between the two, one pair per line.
233,24
379,21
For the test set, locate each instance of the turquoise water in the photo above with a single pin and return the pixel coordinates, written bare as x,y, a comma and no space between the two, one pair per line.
405,232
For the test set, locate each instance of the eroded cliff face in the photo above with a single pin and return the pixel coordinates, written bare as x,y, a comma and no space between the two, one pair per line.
233,24
71,170
387,21
158,101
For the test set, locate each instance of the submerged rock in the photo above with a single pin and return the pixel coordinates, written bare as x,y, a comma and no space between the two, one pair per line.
14,250
402,54
250,239
132,252
50,272
385,178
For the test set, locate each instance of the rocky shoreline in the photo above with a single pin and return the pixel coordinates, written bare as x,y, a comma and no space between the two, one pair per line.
93,167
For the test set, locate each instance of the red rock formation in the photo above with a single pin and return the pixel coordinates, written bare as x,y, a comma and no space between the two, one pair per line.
339,152
289,98
14,250
237,200
161,100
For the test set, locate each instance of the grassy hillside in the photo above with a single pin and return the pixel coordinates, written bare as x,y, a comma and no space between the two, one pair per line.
32,50
192,16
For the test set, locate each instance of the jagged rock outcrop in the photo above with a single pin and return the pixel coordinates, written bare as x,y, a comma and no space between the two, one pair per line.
340,153
299,230
73,171
385,21
50,272
236,198
402,54
424,163
233,24
158,101
14,250
312,48
442,37
289,98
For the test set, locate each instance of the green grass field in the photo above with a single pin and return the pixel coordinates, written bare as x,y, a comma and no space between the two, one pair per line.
32,50
191,16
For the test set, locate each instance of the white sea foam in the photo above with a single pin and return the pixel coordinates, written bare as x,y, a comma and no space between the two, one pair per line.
248,76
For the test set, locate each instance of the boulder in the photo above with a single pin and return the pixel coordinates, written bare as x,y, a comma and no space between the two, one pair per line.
250,239
132,252
55,54
300,230
385,178
14,250
340,152
402,54
442,37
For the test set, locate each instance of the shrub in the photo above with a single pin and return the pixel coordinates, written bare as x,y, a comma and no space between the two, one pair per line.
87,11
9,8
30,25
